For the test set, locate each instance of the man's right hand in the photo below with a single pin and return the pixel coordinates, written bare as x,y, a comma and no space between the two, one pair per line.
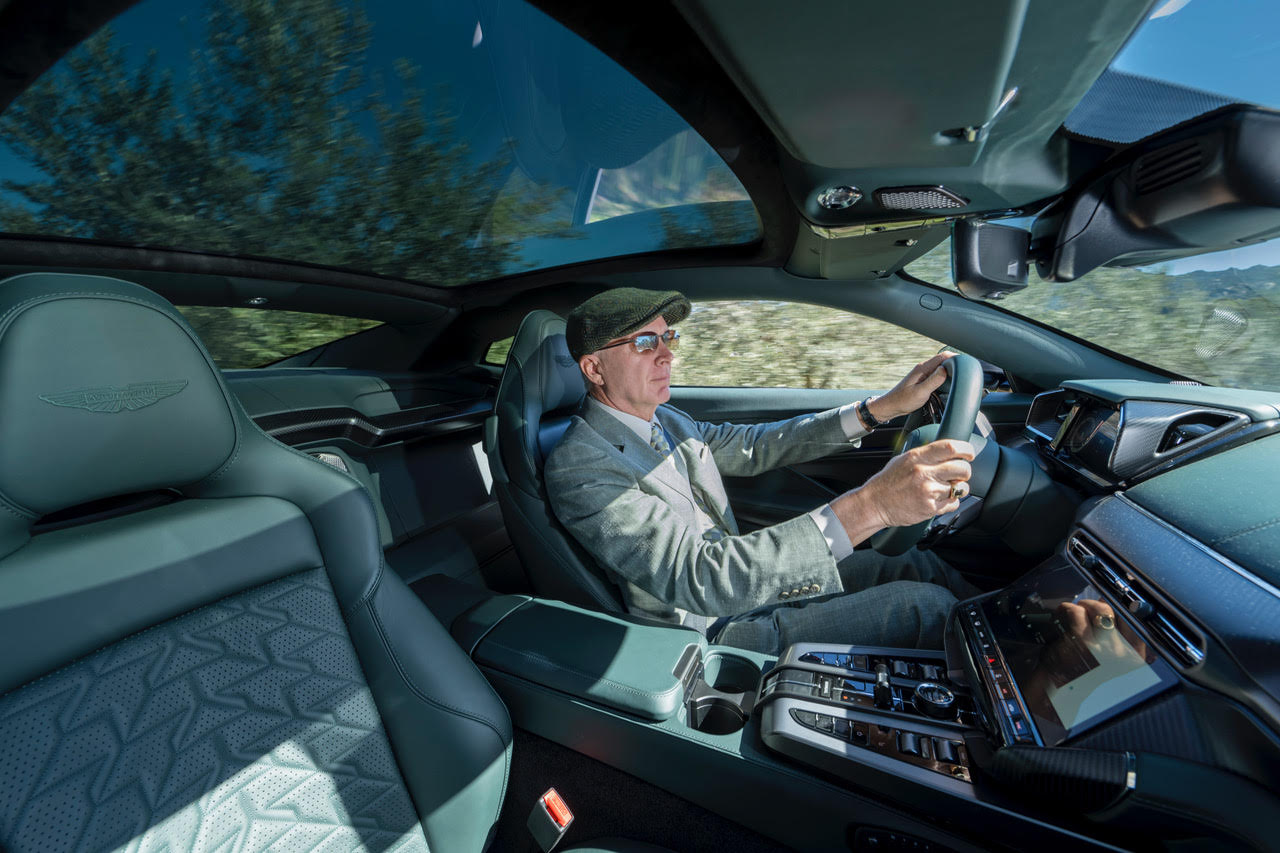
913,487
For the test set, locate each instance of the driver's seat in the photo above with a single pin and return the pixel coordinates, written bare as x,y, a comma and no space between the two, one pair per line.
541,389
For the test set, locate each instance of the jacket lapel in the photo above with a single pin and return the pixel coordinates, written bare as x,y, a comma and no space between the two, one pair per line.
635,451
700,471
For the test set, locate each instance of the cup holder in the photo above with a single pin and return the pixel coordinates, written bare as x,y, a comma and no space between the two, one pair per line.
720,699
730,673
716,716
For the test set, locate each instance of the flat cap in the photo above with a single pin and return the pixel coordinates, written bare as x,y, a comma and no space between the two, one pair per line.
617,312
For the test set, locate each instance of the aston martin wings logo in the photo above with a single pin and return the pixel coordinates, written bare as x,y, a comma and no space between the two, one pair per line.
109,398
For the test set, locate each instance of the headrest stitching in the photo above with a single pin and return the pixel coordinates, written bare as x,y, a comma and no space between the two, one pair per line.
22,513
16,309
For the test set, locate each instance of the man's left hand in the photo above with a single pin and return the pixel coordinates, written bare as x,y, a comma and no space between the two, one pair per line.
913,390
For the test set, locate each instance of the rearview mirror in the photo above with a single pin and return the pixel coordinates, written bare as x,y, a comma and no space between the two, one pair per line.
988,261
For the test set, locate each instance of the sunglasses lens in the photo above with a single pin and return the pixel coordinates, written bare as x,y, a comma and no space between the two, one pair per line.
648,343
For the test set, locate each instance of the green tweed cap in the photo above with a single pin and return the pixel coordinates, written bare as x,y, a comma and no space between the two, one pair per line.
617,312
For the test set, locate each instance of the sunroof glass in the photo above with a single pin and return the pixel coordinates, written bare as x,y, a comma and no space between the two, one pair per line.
444,142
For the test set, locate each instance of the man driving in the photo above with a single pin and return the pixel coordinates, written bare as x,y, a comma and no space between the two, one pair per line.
638,483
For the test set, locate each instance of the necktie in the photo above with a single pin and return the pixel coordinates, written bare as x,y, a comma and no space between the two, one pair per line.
658,440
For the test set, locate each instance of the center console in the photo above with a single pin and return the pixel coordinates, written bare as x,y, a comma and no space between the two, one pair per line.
1025,669
1054,715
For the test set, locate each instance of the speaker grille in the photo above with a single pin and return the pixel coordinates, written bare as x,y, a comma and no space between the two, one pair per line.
1166,167
919,198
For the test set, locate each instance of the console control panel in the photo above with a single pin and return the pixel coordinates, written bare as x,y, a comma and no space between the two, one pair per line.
1015,722
941,754
899,667
839,706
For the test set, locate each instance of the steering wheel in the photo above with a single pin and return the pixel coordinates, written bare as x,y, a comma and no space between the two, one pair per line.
958,419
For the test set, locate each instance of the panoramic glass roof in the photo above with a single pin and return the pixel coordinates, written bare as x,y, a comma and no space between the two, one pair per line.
1188,58
444,142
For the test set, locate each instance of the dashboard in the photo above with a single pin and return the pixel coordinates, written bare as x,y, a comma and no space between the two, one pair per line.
1131,679
1106,435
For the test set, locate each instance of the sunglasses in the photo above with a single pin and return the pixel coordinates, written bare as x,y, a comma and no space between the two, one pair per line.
648,341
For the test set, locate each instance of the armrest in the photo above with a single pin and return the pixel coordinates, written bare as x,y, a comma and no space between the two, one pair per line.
606,659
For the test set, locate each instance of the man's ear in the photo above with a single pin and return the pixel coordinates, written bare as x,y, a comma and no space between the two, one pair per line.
590,366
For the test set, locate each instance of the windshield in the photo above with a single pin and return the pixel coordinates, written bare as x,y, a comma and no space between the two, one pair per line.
1188,58
444,142
1214,318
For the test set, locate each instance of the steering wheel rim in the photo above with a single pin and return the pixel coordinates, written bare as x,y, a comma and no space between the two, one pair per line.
959,418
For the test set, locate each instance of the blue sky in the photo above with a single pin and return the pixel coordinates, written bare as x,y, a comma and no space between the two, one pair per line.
1229,47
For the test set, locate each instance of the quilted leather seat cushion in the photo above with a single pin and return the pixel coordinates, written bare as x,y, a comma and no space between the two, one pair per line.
245,724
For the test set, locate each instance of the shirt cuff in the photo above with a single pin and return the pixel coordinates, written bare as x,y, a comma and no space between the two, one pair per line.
832,531
852,424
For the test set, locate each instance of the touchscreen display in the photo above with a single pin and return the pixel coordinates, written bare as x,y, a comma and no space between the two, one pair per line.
1075,659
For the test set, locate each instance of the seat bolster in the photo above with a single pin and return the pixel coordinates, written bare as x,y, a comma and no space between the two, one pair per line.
449,730
337,505
555,562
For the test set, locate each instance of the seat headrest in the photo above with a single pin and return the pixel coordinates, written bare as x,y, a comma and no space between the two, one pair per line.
104,390
547,370
540,378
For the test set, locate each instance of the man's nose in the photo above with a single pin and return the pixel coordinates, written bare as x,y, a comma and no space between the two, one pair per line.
664,351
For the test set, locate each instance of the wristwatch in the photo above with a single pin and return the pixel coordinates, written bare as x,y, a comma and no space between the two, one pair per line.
864,413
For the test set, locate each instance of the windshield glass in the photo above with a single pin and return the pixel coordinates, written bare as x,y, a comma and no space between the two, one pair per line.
1188,58
445,142
1214,318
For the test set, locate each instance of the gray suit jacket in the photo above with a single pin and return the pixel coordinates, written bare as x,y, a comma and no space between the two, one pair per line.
631,511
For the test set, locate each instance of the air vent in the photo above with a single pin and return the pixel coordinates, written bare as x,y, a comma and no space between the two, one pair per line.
1167,166
1190,428
919,198
1169,631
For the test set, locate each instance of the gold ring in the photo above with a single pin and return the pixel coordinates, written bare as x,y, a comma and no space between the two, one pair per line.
954,493
1105,621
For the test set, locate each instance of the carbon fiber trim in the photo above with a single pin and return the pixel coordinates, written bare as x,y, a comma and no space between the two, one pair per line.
311,425
1145,424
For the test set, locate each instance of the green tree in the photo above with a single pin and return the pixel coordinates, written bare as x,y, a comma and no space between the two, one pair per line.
276,143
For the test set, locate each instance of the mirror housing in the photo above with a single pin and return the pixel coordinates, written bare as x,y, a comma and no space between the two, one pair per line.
1209,185
988,261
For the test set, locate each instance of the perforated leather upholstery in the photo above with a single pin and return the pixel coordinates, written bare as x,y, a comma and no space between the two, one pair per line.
229,671
542,387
